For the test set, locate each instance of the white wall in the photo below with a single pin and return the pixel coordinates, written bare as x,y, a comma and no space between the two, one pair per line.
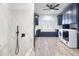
13,22
3,29
9,19
48,23
24,19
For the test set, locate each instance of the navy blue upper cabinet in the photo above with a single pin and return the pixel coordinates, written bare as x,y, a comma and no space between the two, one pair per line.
74,13
59,17
77,17
77,13
70,14
36,17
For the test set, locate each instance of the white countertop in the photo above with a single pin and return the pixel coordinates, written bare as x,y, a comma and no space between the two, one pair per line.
69,29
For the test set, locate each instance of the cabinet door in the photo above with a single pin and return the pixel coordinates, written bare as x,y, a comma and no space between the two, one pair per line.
59,20
36,20
77,13
74,13
64,18
77,40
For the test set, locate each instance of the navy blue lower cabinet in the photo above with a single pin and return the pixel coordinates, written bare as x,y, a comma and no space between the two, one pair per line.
77,27
38,33
48,34
78,40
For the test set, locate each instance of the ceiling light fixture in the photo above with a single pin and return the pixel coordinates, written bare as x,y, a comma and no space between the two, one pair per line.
51,10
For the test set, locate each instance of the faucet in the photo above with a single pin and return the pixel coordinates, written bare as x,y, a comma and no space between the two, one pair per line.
17,43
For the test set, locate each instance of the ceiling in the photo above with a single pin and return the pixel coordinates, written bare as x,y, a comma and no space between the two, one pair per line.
40,6
19,6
